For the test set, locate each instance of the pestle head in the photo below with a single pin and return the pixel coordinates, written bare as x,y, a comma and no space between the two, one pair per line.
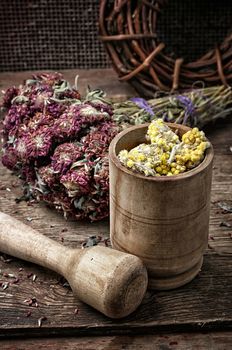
111,281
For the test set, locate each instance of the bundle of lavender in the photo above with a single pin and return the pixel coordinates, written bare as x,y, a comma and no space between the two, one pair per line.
197,108
57,142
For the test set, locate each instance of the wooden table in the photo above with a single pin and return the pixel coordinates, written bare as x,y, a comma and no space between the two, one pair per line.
196,316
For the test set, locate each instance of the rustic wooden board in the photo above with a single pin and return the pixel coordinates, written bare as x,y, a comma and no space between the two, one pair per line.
203,304
181,341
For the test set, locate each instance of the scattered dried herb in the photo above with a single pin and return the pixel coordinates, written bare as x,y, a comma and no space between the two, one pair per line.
5,259
225,224
31,302
10,275
225,205
5,285
91,241
41,320
63,282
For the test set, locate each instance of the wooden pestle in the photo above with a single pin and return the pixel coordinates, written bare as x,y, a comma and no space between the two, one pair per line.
111,281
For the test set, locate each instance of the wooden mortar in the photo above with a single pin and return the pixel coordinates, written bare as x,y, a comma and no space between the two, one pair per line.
163,220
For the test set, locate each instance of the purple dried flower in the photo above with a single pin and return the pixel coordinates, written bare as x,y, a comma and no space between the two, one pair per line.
55,109
10,159
97,141
36,122
21,148
9,95
34,144
70,94
27,173
66,126
64,155
15,115
101,174
46,176
76,182
188,105
143,104
59,145
39,143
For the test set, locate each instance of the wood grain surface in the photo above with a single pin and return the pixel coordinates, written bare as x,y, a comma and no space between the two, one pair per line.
180,341
204,304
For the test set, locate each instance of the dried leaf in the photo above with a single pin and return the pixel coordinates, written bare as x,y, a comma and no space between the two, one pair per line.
5,259
5,285
79,202
92,241
225,224
10,275
225,205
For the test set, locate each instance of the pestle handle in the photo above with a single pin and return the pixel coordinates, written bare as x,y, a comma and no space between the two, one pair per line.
111,281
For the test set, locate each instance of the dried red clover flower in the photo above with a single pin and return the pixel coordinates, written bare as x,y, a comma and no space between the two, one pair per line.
58,144
64,156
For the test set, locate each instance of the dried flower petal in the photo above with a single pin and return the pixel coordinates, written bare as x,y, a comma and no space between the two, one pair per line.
64,155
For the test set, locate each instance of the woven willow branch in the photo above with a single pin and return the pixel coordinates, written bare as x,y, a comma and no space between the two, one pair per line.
128,32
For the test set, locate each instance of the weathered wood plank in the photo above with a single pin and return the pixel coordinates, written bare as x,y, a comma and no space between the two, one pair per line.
181,341
205,303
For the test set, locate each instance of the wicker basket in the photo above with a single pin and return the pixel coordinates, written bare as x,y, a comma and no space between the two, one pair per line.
135,44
